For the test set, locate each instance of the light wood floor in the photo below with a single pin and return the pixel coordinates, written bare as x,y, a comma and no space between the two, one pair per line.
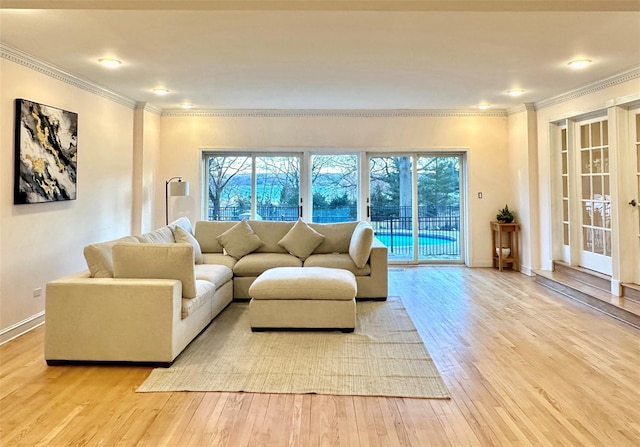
525,367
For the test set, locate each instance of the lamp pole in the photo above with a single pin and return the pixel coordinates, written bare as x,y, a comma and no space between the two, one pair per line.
166,197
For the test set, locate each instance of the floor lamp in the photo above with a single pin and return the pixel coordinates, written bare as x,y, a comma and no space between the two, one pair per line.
178,188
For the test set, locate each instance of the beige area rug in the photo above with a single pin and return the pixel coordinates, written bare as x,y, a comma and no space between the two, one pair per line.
384,356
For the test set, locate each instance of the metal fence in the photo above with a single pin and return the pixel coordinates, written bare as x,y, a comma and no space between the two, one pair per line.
438,226
438,231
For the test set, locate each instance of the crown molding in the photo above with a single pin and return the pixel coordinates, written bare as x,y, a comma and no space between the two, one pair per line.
620,78
331,113
148,108
20,57
332,5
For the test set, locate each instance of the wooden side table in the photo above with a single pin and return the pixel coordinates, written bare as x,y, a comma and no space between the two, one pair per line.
505,235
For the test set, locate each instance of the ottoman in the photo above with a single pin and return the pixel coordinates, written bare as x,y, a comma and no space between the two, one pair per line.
303,298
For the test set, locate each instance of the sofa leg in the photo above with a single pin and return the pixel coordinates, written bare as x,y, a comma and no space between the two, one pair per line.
57,362
163,364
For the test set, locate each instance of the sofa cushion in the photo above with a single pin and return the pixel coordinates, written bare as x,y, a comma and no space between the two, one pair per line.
181,235
216,274
301,240
360,245
162,235
100,259
219,258
270,233
239,240
305,284
337,261
204,294
206,233
160,261
337,236
256,263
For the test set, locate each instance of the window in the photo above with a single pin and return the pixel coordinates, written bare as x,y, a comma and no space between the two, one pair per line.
334,188
253,187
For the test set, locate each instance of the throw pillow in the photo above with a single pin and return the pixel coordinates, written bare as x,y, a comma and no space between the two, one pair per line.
181,235
301,240
361,242
239,240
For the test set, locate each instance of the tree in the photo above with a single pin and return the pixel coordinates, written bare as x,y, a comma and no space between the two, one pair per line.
222,170
391,181
438,181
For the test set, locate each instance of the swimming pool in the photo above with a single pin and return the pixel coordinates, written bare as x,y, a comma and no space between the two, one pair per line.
406,240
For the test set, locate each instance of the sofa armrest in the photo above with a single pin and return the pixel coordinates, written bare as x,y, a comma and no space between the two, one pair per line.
111,319
378,258
378,261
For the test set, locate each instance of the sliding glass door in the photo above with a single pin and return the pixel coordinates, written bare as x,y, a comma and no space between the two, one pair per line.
415,206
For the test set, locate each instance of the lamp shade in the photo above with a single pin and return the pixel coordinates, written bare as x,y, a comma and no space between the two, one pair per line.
179,188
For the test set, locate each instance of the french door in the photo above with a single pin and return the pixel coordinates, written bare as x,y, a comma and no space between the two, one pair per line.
587,233
415,206
595,196
634,201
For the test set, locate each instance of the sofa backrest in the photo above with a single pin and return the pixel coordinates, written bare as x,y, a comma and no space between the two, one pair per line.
182,222
162,235
99,257
207,231
270,233
337,236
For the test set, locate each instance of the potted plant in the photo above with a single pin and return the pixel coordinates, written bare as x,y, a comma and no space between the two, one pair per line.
505,215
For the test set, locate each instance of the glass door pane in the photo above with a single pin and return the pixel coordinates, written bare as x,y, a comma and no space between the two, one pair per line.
595,197
566,225
391,202
334,186
229,185
439,208
277,181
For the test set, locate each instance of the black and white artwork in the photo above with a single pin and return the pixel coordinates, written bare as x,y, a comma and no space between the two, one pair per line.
46,140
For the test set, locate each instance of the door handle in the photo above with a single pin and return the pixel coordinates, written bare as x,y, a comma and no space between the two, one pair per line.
633,202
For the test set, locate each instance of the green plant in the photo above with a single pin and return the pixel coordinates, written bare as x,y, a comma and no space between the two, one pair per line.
505,215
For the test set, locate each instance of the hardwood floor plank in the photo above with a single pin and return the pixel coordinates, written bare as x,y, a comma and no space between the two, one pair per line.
524,366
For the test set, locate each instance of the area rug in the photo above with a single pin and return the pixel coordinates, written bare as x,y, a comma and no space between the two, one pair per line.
384,356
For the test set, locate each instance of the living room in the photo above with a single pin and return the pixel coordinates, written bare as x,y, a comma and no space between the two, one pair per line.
129,146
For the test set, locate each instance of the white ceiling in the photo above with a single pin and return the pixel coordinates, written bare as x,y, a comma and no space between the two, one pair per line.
331,55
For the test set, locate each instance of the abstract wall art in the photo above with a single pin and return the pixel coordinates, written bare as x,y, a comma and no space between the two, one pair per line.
46,150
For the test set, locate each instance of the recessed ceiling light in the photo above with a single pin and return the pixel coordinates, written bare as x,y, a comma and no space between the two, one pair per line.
515,92
579,63
483,106
109,62
161,91
186,105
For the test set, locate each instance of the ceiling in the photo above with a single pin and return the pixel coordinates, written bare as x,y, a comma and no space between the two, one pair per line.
367,55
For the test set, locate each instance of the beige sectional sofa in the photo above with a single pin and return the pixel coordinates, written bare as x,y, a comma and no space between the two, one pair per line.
350,246
144,298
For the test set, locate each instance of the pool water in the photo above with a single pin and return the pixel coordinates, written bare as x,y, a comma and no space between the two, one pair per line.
406,240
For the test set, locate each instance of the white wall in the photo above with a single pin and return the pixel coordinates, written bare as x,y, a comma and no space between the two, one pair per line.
41,242
145,161
484,137
524,177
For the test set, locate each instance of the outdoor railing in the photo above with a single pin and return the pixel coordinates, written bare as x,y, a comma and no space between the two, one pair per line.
438,226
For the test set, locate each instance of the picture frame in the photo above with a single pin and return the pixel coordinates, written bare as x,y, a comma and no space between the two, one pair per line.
46,151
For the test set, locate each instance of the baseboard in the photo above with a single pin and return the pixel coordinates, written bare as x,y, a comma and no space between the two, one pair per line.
527,271
21,327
